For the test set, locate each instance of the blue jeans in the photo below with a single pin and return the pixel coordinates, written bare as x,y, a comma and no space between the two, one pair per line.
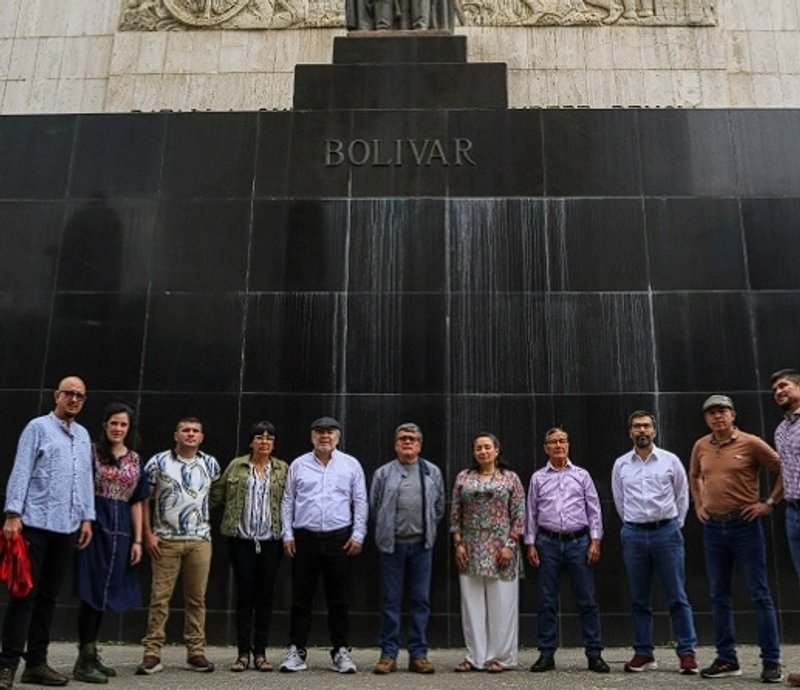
407,572
741,543
660,551
555,557
793,535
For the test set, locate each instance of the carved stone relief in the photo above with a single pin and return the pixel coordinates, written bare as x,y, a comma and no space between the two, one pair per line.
170,15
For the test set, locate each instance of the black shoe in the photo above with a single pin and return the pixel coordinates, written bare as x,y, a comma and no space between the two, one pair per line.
42,674
543,663
771,672
597,664
721,669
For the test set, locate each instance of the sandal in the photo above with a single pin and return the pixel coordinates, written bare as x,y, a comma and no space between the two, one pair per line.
260,663
242,663
464,666
494,666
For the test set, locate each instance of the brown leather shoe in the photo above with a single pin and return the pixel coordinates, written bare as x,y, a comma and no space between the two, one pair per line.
421,665
43,675
385,665
7,677
793,679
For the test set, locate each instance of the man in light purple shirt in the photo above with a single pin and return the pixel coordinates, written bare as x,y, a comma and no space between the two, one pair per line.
651,494
563,532
324,515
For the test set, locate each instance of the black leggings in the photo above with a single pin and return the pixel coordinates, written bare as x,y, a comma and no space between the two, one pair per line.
89,621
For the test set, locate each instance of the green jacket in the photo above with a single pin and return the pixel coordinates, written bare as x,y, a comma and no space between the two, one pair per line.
231,488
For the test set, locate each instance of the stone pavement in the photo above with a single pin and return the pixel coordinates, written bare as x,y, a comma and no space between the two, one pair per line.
570,673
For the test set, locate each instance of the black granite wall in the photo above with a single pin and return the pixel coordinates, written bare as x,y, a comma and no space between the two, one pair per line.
581,265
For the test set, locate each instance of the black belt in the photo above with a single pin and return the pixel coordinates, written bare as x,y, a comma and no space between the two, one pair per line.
793,502
332,534
726,517
564,536
658,524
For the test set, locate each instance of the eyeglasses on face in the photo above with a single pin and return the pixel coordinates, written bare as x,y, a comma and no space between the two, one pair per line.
557,442
264,437
409,438
73,395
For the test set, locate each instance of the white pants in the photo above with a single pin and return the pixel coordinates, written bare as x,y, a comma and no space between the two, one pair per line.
490,619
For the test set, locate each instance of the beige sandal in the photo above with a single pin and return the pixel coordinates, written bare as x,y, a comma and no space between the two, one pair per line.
242,663
494,666
464,667
260,663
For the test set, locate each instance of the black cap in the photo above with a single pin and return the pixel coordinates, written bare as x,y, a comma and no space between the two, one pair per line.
326,423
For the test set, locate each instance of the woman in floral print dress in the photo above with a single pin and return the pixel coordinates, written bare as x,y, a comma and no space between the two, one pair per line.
486,522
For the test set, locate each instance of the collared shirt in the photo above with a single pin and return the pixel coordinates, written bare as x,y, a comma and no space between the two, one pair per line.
652,489
728,472
322,498
180,494
563,501
787,443
52,485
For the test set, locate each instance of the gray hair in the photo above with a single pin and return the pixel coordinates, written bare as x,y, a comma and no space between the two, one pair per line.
409,426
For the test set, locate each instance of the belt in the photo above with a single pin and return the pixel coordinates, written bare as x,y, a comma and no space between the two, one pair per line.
726,517
793,502
564,536
650,526
332,534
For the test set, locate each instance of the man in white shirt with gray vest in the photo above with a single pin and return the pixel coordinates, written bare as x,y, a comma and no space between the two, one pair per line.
324,514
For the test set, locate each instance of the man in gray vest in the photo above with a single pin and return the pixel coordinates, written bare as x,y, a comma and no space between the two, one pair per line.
407,500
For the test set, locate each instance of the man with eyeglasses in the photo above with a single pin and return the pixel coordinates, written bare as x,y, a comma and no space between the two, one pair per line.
564,530
724,475
50,504
324,521
785,385
651,494
407,501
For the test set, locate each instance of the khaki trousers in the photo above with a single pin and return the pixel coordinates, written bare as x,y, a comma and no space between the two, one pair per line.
190,558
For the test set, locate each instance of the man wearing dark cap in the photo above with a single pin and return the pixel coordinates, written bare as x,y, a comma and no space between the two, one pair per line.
324,514
723,474
785,385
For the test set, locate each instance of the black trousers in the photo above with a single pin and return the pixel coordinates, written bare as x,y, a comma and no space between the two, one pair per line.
28,620
320,553
254,575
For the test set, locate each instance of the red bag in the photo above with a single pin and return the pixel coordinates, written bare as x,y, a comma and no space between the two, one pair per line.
15,566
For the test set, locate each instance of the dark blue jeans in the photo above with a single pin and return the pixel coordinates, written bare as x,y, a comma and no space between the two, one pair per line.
556,557
793,535
739,543
658,551
407,572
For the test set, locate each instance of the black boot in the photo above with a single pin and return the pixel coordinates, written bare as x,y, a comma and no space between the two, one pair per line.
105,670
85,668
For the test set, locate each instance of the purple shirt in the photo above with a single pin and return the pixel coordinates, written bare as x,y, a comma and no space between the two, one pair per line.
563,501
787,443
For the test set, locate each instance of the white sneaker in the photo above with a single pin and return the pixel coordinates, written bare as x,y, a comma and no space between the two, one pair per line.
295,660
343,662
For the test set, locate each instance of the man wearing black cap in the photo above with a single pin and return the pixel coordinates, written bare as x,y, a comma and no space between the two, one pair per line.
723,475
324,513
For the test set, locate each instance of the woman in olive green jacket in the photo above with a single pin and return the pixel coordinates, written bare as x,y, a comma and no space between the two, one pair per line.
251,488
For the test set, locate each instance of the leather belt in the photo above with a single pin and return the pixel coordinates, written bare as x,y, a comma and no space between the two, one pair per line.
564,536
658,524
726,517
793,502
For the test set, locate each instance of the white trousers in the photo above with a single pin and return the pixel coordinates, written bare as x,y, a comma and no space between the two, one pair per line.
490,619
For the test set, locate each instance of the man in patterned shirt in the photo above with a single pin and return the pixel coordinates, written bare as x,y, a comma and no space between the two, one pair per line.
785,386
179,543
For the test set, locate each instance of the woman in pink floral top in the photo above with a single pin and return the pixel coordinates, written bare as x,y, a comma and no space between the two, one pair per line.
486,522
